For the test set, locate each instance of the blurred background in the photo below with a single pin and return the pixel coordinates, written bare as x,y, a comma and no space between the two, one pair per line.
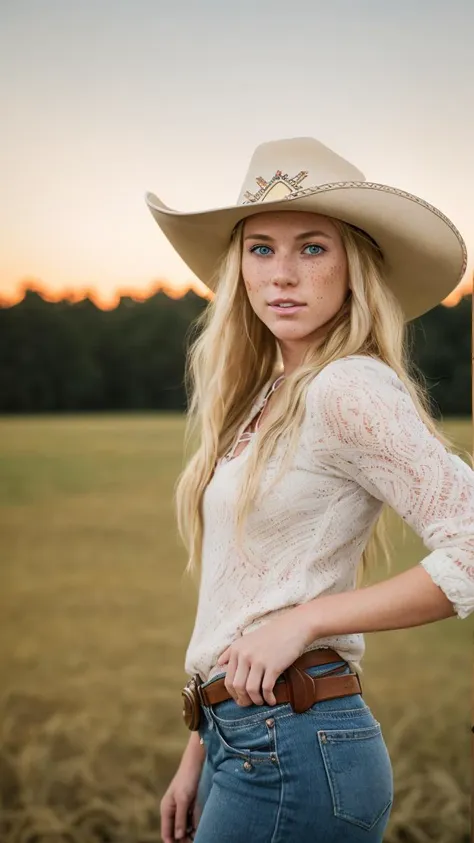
101,101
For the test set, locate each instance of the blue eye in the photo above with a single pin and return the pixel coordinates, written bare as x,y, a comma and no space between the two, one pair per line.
254,249
314,246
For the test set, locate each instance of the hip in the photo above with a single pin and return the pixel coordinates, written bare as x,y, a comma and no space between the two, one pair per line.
327,765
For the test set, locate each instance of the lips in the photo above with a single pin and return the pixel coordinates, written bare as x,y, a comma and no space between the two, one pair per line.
287,302
287,308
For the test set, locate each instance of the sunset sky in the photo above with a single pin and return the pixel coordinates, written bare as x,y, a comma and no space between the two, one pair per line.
102,100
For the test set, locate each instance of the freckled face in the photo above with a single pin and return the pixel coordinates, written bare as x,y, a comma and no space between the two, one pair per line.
295,255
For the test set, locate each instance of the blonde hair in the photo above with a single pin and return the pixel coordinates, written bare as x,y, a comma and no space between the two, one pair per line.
234,356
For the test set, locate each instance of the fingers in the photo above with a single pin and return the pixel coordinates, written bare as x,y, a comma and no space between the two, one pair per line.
193,821
167,813
236,678
254,683
174,818
249,683
268,683
181,819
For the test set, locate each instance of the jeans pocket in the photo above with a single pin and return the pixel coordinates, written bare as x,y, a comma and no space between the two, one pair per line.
359,773
252,737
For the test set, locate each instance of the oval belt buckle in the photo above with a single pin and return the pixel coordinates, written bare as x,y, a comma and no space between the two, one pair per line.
192,703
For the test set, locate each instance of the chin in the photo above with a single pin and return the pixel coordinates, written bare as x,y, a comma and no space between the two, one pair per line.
289,334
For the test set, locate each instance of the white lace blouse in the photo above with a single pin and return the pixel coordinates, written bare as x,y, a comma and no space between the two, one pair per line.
362,444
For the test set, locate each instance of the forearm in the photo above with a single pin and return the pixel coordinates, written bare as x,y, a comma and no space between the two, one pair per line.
408,599
195,752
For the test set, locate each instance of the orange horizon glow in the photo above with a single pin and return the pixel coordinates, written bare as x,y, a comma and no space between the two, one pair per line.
465,288
100,299
173,290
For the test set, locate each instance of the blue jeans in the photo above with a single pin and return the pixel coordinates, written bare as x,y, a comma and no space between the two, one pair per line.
274,776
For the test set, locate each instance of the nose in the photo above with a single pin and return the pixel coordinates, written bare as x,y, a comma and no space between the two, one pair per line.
284,273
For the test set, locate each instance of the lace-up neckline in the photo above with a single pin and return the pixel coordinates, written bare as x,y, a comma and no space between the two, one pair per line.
257,409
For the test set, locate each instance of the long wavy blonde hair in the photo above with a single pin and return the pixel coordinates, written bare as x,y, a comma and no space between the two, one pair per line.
235,354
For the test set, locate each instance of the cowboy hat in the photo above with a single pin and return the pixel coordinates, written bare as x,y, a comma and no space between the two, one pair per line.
424,254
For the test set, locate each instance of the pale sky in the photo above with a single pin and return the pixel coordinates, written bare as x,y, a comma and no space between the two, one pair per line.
102,100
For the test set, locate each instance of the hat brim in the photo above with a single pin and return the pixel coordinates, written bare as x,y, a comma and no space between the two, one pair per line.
425,255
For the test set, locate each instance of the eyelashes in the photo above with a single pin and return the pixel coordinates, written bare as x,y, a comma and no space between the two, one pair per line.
315,246
269,251
254,250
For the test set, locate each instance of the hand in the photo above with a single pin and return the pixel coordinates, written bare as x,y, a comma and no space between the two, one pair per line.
179,809
256,660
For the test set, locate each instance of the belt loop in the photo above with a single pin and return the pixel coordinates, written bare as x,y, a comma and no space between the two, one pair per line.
300,688
198,682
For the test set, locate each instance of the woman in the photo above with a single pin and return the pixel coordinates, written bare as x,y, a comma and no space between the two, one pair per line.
307,422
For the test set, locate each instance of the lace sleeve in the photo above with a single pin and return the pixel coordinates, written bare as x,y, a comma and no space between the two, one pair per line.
374,435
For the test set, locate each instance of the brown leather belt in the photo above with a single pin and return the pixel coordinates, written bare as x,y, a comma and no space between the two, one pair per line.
294,686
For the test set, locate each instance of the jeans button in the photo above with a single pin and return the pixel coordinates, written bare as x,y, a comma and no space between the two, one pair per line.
270,721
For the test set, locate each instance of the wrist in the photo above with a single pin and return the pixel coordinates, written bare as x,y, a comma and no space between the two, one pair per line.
195,751
311,629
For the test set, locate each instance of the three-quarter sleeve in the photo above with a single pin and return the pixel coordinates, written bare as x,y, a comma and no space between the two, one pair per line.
375,435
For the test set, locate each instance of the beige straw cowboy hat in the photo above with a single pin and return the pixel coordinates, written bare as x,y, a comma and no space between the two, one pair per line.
424,253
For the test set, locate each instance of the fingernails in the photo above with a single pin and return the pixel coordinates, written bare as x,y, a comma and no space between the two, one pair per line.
179,832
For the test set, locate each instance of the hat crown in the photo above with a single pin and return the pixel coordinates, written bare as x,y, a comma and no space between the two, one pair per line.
281,168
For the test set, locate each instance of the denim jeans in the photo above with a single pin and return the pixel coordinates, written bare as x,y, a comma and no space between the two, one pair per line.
275,776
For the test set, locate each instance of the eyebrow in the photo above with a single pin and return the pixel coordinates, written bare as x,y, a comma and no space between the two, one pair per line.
302,236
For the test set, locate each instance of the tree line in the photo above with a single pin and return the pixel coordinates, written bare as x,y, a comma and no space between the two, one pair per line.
72,356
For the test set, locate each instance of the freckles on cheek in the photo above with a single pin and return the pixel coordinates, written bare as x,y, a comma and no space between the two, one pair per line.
257,275
254,281
331,277
335,272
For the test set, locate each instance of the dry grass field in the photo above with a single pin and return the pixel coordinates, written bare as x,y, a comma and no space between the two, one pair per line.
96,616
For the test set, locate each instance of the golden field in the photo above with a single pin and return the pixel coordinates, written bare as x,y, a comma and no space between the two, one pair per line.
96,616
